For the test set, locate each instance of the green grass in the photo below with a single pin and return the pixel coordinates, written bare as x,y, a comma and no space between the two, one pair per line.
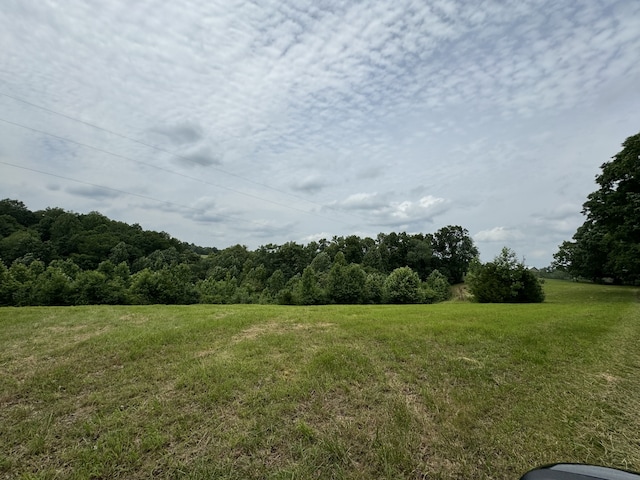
454,390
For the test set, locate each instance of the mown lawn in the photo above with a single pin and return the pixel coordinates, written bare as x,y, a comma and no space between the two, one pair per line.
455,390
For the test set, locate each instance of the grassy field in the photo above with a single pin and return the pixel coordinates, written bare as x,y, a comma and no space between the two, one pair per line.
454,390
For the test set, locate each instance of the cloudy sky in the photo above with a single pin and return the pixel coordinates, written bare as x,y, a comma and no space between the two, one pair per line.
255,122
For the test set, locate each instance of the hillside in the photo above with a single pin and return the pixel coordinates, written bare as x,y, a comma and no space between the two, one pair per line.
54,257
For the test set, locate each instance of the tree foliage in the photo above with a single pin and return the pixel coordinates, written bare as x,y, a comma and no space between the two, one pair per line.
436,288
55,257
402,286
504,280
454,251
607,244
346,283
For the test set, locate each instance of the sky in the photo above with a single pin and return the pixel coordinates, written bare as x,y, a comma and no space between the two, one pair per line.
226,122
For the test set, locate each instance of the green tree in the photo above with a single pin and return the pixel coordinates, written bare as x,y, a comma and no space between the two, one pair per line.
63,233
420,255
353,249
393,249
122,252
25,282
372,258
19,211
504,280
255,280
608,242
144,287
8,225
53,287
174,286
453,250
276,282
436,288
288,295
346,283
321,263
309,292
47,218
374,287
216,291
402,286
91,288
69,268
291,258
92,248
8,287
19,244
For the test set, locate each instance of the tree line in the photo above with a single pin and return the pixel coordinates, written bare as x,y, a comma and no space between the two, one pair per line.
606,247
56,257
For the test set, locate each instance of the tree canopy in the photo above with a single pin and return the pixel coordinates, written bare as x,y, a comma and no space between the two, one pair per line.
607,244
55,257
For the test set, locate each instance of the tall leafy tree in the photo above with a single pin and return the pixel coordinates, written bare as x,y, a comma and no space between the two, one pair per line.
8,286
8,225
19,211
347,283
608,242
419,255
310,292
19,244
454,250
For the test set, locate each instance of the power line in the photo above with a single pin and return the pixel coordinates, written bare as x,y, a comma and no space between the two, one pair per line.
173,172
166,202
155,147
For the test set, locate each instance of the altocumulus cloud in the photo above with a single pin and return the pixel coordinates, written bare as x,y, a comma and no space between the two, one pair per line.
389,113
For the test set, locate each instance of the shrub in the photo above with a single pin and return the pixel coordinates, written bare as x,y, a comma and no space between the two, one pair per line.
436,288
505,280
402,286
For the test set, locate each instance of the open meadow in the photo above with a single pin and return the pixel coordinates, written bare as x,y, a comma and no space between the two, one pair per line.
453,390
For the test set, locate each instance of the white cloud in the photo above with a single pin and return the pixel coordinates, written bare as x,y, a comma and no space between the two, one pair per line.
498,234
364,201
382,210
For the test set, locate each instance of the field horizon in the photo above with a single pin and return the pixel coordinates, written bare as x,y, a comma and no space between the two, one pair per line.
451,390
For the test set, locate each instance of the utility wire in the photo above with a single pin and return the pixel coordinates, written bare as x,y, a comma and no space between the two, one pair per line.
166,202
155,147
140,162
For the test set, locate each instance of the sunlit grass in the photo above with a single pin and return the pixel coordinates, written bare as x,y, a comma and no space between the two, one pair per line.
455,390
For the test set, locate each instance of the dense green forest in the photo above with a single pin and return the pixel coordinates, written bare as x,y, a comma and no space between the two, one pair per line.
56,257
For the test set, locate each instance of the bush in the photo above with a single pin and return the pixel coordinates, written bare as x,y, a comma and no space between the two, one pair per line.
402,286
505,280
436,288
215,291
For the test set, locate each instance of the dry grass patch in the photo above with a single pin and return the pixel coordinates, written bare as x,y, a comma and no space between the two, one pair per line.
278,328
